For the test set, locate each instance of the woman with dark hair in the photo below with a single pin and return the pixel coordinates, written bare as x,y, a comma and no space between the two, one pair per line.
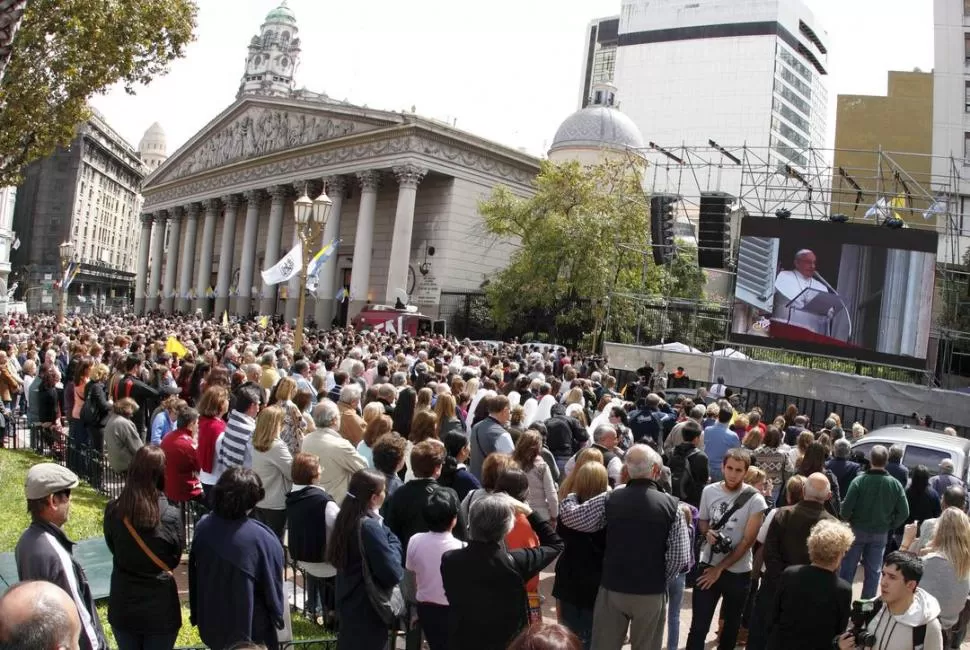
359,535
542,495
184,381
924,501
195,383
454,473
144,533
212,406
621,422
48,407
77,432
236,568
814,461
404,411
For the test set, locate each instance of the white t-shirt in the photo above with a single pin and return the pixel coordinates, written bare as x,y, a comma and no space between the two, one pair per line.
715,501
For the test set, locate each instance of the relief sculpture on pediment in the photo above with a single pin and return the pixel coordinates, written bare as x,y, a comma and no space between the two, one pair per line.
259,132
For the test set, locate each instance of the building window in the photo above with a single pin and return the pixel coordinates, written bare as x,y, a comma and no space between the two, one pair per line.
966,148
966,7
966,47
966,96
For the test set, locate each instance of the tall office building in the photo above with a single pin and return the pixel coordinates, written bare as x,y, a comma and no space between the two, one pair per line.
599,56
734,71
951,121
86,193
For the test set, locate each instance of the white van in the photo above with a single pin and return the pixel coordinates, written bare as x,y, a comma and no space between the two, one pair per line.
921,446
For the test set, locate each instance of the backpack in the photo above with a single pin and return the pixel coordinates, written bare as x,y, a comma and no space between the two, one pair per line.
682,483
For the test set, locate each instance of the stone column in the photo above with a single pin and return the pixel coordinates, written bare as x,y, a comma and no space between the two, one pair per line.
363,241
408,177
274,236
244,301
158,251
224,274
171,259
182,303
204,272
324,310
141,271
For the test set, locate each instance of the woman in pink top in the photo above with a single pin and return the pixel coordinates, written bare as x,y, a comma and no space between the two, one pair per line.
424,559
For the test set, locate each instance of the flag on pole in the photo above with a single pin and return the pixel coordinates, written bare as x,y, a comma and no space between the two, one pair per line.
263,322
898,203
225,318
286,268
174,346
938,208
879,209
209,292
16,243
324,254
341,295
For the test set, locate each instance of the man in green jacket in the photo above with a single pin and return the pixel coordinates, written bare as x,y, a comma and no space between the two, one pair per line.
874,505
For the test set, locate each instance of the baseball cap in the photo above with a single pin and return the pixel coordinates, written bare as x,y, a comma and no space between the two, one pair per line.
44,479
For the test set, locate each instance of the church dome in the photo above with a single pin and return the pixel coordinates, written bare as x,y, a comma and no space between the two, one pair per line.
154,140
282,14
598,126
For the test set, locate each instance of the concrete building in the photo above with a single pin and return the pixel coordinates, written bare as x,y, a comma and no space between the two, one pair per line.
735,71
86,193
153,148
951,118
400,184
599,56
901,122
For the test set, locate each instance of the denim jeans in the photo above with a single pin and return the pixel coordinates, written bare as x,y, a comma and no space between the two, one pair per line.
733,587
131,641
869,548
675,597
579,620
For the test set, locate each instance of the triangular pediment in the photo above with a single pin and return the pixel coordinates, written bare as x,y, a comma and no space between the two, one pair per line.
256,127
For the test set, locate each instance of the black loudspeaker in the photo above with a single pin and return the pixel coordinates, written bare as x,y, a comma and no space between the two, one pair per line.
714,230
662,227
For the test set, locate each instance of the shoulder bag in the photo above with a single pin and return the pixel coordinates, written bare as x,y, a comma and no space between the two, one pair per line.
388,603
144,547
747,492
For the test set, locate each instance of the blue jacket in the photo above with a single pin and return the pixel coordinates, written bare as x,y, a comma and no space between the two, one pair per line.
236,582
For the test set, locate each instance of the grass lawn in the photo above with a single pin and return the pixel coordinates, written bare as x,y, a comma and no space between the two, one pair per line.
87,513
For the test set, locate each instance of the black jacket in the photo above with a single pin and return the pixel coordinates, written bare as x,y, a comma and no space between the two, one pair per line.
37,559
803,589
403,511
306,512
96,395
564,435
698,466
143,394
144,599
579,569
845,470
485,586
785,542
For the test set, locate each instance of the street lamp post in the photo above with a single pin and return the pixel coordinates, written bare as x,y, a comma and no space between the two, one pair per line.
66,251
311,218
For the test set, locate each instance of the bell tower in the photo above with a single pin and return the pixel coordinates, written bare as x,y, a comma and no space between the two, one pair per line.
273,56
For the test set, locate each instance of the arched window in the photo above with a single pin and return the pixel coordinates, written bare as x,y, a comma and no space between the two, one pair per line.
285,38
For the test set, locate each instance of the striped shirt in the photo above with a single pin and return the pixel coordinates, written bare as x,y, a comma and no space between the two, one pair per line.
237,443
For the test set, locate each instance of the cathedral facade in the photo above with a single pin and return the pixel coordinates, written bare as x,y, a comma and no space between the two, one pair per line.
405,192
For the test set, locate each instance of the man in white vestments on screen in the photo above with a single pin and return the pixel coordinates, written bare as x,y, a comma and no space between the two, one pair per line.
791,296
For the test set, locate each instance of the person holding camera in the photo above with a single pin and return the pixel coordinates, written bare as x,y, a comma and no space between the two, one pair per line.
904,618
730,515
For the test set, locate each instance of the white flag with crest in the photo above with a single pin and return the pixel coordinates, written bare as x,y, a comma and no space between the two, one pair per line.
289,266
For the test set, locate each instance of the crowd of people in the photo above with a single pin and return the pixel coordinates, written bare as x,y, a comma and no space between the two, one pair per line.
423,483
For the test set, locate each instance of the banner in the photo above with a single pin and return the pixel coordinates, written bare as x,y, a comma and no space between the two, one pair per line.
286,268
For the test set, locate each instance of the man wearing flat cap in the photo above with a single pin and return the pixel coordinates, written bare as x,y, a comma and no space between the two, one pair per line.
45,553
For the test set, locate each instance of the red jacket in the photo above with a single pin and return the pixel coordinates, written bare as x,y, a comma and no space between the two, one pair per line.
181,466
209,431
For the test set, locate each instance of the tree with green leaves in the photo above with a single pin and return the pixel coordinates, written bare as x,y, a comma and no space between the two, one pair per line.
583,237
68,50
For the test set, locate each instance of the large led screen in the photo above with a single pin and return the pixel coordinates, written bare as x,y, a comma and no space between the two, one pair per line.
856,291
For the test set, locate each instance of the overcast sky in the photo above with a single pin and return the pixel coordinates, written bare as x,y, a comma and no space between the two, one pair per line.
507,70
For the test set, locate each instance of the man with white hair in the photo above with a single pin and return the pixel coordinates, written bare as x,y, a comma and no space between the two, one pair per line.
795,289
351,424
647,544
945,478
339,459
604,439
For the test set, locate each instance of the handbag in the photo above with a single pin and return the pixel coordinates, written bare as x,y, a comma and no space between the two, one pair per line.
144,547
388,603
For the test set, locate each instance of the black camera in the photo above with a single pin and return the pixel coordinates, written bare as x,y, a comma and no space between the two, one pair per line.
862,612
722,543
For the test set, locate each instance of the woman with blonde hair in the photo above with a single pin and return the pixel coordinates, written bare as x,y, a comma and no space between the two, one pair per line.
588,455
273,464
372,411
580,567
574,396
946,564
294,424
542,497
378,427
447,411
423,403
